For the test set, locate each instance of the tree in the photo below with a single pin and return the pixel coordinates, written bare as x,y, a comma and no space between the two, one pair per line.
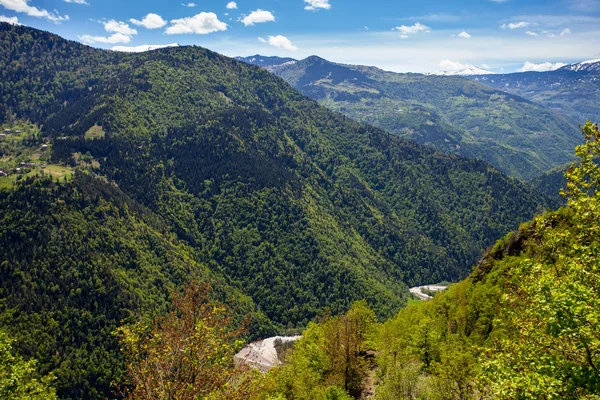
328,362
19,379
547,345
188,354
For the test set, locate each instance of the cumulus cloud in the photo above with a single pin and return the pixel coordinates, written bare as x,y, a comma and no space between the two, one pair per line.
232,5
565,32
10,20
78,2
22,6
200,24
449,65
315,5
516,25
542,67
150,21
142,48
121,33
189,4
464,35
279,41
412,29
257,17
113,26
112,39
530,33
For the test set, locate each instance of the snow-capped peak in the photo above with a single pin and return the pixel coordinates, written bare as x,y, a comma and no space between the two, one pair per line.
589,65
472,70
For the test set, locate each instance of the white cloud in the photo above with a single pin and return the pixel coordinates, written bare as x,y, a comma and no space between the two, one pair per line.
112,39
10,20
142,48
530,33
315,5
516,25
22,6
542,67
150,21
412,29
449,65
189,4
121,33
113,26
565,32
200,24
232,5
257,17
78,2
279,41
464,35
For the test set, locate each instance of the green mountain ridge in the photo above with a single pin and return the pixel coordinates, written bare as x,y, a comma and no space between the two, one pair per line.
451,114
249,183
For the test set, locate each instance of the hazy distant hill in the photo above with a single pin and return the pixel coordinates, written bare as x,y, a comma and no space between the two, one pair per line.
451,114
573,89
265,61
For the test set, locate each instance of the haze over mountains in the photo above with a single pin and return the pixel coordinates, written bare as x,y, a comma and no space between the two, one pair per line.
451,114
573,89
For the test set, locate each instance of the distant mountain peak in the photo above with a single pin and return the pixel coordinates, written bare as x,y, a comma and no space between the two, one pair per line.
266,61
589,66
472,70
316,59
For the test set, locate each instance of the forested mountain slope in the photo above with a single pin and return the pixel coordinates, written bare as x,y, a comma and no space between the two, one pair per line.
77,260
523,324
293,205
451,114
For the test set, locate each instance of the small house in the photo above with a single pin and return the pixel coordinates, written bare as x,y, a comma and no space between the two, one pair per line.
44,147
17,132
19,170
2,173
7,131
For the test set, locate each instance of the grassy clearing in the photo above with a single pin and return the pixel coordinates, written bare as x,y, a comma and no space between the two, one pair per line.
56,171
95,132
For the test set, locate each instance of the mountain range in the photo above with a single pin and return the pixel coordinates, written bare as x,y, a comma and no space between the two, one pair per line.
573,89
189,165
449,113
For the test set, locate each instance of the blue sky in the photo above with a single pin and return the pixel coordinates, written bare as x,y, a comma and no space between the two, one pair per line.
403,36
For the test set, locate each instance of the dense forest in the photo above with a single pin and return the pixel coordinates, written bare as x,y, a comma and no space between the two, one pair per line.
451,114
523,325
183,165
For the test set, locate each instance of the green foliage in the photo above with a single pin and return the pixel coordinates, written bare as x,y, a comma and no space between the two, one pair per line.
329,361
524,325
551,183
76,260
550,342
214,170
451,114
187,354
19,379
